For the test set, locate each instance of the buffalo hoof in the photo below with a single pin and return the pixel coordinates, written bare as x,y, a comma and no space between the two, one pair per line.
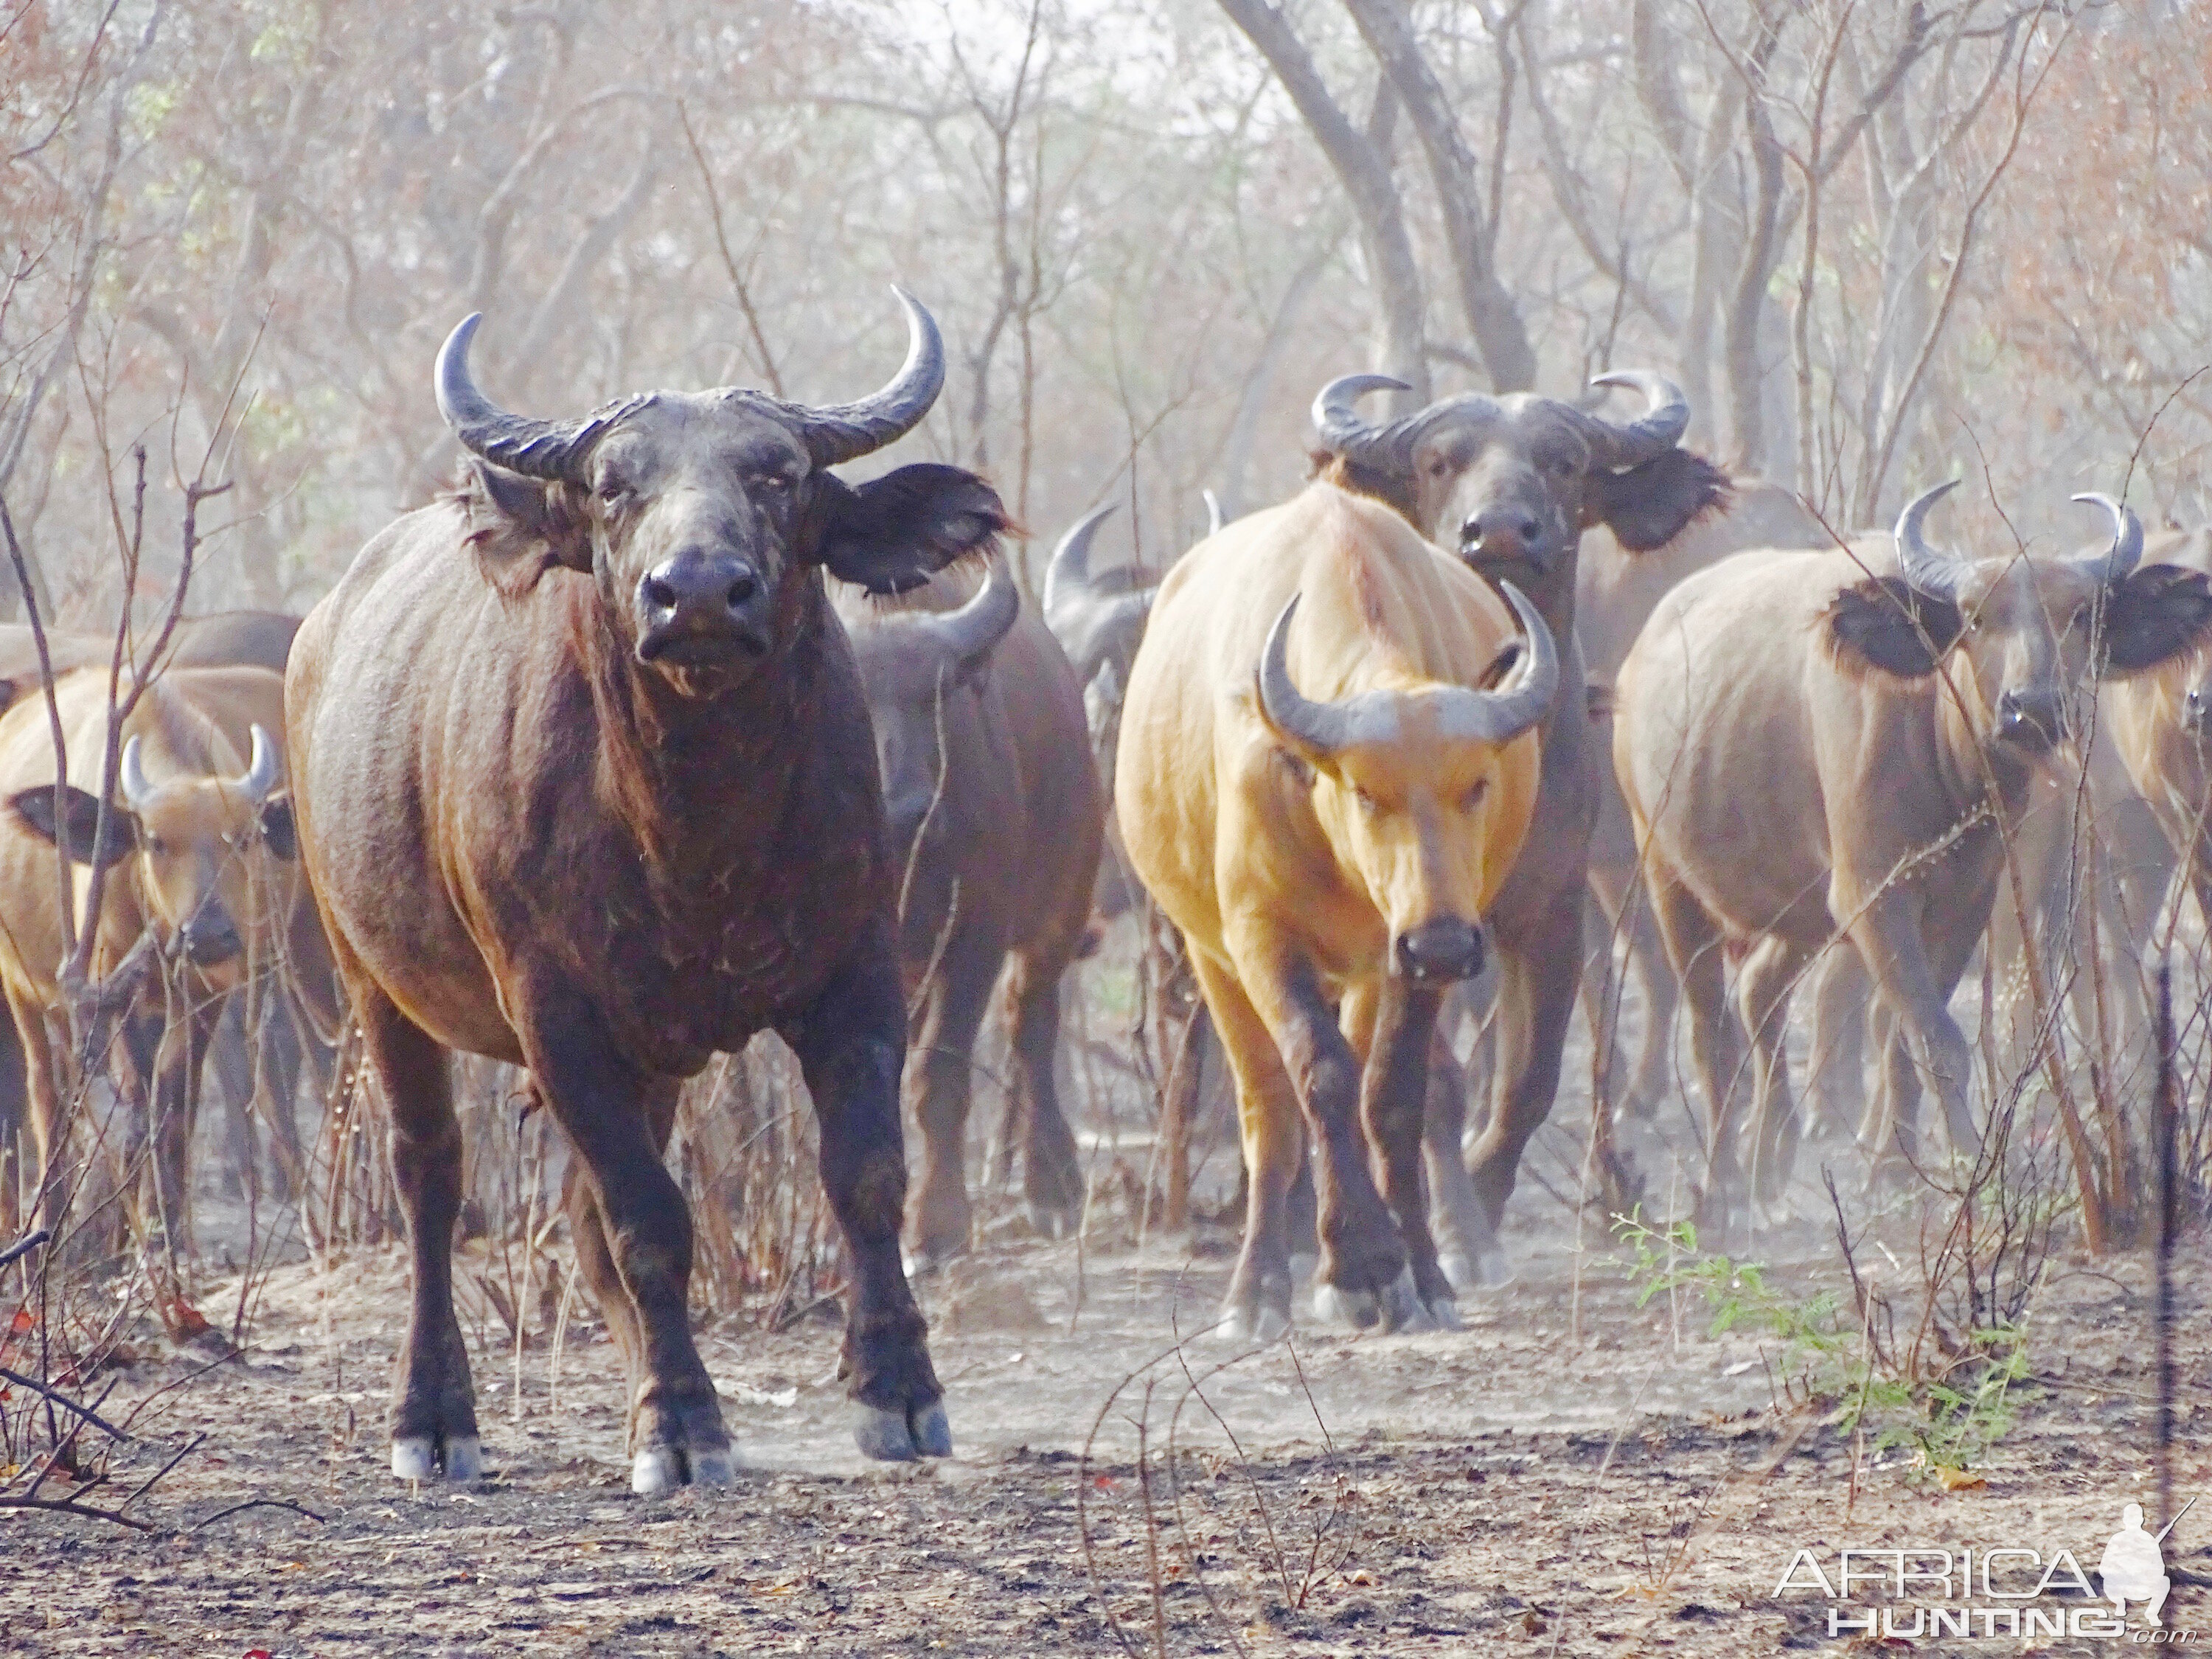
1459,1271
1443,1314
1049,1221
891,1436
1402,1308
1486,1270
658,1470
1250,1328
419,1458
1357,1310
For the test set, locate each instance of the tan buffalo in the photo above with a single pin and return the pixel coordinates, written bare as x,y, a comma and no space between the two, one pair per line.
200,842
2161,720
1319,787
1816,744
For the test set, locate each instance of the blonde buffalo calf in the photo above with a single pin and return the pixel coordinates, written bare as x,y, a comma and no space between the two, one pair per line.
1322,784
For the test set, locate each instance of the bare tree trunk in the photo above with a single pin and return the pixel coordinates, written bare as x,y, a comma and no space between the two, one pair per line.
1362,166
1491,315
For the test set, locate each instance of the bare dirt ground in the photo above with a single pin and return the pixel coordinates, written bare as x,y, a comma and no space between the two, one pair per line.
1570,1474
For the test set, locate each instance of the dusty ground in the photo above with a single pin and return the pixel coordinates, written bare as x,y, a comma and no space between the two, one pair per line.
1570,1474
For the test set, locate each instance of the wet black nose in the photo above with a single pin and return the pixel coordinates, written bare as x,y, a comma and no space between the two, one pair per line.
699,600
1502,532
209,938
2032,719
1445,948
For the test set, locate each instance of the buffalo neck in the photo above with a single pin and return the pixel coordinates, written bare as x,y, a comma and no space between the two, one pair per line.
697,777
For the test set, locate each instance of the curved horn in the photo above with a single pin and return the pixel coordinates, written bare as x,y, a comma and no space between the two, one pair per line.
1658,429
1501,716
1067,578
261,770
1926,570
971,633
2115,564
1321,728
131,778
1213,518
537,449
1344,431
843,432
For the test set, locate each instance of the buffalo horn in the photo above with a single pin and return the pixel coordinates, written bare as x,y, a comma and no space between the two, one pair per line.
1652,434
843,432
1926,570
1502,716
2114,565
130,777
261,770
537,449
972,633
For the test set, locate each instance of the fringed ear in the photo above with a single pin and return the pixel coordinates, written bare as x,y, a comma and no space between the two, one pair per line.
1393,489
279,830
34,809
2160,612
1648,506
520,528
1883,625
895,533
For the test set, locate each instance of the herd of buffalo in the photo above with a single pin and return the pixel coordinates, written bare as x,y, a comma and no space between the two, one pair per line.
656,733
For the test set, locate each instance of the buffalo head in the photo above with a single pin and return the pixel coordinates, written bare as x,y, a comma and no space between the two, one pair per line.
193,841
1512,482
699,516
1407,787
912,664
2021,637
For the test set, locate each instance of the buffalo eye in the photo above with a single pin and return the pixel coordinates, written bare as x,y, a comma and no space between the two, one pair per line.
612,492
156,846
1472,797
1367,802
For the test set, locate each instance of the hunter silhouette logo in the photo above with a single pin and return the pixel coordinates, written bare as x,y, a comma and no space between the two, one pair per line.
1997,1590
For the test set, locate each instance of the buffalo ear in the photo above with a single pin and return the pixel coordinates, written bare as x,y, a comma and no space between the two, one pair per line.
1882,624
1648,506
34,809
522,527
278,830
2159,612
895,533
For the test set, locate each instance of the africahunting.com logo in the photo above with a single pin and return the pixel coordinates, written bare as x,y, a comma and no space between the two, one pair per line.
1997,1591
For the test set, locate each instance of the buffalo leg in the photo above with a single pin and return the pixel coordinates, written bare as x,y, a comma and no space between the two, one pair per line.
434,1412
938,1087
850,1043
663,1465
1770,975
1361,1257
1394,1029
1258,1306
615,1118
1835,1081
1887,930
1052,1173
1695,947
1535,1001
51,1172
1461,1227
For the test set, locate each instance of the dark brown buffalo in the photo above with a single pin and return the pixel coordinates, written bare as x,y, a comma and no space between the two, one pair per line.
585,783
1512,484
996,817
